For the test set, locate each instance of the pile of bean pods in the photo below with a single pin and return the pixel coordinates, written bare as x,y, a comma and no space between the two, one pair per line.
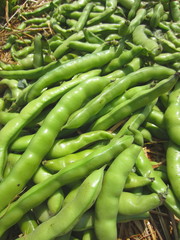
92,86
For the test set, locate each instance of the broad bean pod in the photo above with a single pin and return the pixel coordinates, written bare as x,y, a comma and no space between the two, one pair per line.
132,204
27,223
135,121
172,115
72,193
133,10
134,180
156,131
173,167
82,21
144,167
31,111
113,183
7,116
12,85
30,74
124,58
126,3
48,133
167,46
133,66
156,117
137,20
118,100
12,158
63,147
116,89
59,52
109,10
83,46
72,6
77,170
51,228
171,36
22,53
140,38
69,69
67,146
167,58
125,109
174,10
158,11
59,163
89,235
87,220
38,60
